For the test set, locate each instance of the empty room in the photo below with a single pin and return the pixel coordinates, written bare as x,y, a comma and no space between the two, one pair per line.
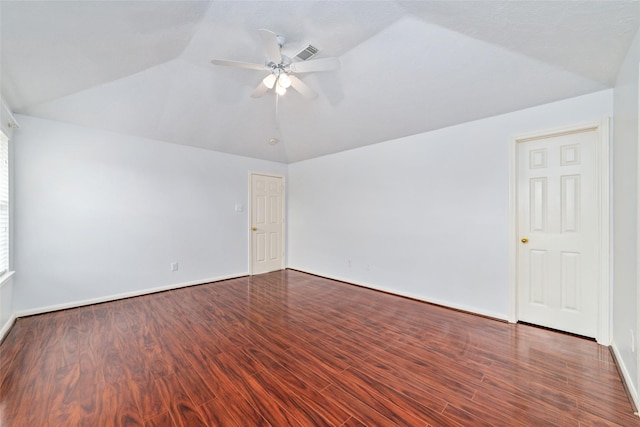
310,213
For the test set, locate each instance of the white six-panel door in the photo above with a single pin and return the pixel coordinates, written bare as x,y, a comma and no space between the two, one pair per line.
267,223
557,214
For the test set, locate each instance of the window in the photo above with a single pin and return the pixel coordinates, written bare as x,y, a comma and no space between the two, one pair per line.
4,204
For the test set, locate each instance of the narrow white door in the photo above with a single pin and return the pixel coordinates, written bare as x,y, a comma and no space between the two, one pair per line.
267,223
558,232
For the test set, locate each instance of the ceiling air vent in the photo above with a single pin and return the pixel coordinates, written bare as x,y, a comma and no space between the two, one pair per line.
307,52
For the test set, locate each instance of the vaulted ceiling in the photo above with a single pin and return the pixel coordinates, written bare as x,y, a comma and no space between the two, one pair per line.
143,67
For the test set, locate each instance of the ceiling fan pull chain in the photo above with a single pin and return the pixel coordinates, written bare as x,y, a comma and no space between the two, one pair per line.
277,114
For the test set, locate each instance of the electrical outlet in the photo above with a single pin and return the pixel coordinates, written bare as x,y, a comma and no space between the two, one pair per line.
633,341
174,266
349,263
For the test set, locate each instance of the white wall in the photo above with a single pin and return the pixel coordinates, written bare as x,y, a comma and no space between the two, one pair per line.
625,215
100,214
424,216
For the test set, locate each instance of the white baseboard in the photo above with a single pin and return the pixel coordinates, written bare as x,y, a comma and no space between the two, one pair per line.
74,304
633,391
461,307
7,326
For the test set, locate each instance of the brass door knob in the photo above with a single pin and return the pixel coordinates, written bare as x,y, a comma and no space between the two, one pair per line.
255,228
524,240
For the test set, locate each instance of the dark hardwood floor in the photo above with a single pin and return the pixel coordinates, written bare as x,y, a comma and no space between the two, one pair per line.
290,349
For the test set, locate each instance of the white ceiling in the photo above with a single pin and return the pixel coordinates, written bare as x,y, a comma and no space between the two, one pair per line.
143,67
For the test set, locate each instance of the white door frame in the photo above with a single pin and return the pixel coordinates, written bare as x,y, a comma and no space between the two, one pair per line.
601,127
250,213
634,393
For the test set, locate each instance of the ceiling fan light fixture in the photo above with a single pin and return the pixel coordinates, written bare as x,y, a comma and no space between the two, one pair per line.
280,90
284,80
269,81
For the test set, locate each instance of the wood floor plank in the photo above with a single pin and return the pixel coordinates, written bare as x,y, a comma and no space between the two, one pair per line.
502,403
357,408
311,391
181,408
162,420
196,386
410,385
232,410
296,358
429,410
63,404
362,390
148,397
123,411
464,417
291,349
353,422
215,412
303,410
538,392
274,409
436,377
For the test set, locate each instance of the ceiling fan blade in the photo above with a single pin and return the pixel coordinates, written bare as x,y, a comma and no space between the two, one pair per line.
324,64
302,87
226,63
260,90
271,45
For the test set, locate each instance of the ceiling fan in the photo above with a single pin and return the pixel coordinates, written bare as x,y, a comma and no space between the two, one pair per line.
282,68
